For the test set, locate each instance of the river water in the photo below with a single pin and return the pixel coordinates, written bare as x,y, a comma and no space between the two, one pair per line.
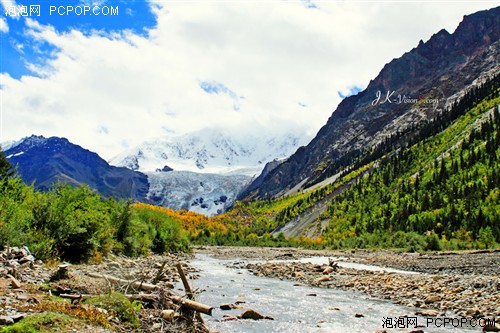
294,308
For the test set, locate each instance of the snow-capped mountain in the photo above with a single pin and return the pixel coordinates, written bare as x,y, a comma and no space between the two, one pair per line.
210,151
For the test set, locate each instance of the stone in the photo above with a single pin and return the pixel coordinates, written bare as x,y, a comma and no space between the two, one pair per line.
115,264
18,316
491,328
328,270
427,313
5,320
323,279
15,283
226,307
359,315
252,314
168,314
432,299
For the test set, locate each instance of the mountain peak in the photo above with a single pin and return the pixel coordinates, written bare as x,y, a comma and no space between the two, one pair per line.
45,161
438,71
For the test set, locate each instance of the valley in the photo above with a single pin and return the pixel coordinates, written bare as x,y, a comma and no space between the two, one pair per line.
391,210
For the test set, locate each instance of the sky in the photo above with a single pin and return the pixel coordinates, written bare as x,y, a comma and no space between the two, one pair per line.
109,75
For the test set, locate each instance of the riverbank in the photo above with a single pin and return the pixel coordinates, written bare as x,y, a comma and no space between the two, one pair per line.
85,298
465,284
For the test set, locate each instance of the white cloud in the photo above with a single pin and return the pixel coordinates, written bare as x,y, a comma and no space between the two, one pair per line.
4,27
8,5
283,63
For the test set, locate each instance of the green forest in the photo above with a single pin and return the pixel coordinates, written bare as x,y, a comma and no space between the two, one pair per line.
77,224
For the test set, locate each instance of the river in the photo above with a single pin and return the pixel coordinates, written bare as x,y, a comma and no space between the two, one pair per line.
294,308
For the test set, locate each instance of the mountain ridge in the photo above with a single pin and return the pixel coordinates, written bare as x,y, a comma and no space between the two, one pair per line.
438,70
46,161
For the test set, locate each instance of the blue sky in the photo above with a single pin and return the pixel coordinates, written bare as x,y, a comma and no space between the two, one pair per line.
18,49
110,82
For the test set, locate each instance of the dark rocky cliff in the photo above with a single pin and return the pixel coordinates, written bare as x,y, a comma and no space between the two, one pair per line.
418,85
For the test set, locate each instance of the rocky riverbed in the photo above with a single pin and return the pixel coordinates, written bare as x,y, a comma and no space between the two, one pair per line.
465,284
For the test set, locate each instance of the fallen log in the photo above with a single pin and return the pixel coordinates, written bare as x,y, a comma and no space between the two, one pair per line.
71,296
143,297
199,307
133,284
189,291
185,282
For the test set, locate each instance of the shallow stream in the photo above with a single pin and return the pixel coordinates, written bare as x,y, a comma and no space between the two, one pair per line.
294,308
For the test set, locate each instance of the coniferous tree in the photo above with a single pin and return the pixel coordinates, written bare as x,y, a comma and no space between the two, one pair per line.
6,169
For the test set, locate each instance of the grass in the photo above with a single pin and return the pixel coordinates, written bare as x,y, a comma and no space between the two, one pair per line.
44,323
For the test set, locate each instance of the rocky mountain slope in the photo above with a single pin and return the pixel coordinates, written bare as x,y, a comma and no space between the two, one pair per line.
45,161
415,87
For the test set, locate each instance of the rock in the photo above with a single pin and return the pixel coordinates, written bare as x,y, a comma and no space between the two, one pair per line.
168,314
323,279
427,313
115,264
328,270
226,307
18,317
416,331
15,283
491,328
381,331
61,273
5,320
252,314
475,313
359,315
432,299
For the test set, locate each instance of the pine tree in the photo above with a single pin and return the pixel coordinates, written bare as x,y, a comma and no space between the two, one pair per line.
6,169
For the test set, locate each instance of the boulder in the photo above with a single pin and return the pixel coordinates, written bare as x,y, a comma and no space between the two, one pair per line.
252,314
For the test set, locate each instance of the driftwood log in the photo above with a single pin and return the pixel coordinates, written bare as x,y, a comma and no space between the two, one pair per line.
192,305
133,284
187,303
190,294
198,307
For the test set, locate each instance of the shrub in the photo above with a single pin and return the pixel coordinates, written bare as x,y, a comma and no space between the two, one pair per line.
118,304
485,238
432,243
